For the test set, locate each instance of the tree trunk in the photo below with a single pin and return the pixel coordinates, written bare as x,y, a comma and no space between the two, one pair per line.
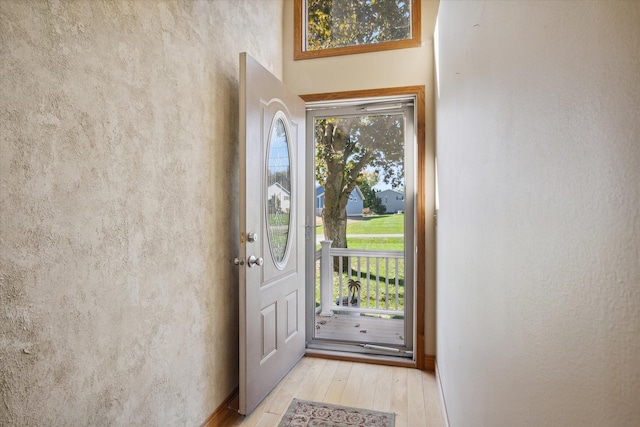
334,218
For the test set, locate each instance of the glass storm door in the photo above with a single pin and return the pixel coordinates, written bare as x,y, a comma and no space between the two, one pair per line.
272,232
365,233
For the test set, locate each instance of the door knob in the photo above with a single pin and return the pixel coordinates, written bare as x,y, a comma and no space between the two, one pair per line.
252,237
253,261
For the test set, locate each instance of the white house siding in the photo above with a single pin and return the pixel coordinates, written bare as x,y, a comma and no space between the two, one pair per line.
355,205
392,200
280,193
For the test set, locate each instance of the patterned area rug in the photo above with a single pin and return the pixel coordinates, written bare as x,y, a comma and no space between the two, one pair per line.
314,414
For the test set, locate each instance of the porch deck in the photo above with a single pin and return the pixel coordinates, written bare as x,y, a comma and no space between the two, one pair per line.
361,329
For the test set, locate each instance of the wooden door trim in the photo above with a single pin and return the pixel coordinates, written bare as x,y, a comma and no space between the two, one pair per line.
221,412
419,93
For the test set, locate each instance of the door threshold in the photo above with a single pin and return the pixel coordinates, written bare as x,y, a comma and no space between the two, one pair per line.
362,358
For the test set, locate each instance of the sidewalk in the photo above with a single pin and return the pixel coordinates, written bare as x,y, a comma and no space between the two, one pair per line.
320,237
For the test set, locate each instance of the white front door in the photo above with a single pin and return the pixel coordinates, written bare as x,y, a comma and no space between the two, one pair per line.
272,232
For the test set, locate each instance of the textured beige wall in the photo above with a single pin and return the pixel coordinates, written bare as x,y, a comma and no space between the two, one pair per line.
539,227
118,193
392,68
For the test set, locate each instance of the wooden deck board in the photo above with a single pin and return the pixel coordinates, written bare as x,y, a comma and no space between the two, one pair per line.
360,329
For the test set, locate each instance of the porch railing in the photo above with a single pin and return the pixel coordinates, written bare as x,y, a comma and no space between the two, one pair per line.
364,281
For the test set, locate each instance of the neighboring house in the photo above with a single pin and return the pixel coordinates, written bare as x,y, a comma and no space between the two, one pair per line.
392,200
280,193
354,205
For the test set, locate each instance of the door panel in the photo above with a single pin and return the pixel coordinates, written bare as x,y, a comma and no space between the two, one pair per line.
272,232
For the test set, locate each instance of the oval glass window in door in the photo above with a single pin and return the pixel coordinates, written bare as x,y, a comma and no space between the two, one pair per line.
279,190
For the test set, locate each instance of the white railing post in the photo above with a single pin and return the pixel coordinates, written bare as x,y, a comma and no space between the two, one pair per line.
326,278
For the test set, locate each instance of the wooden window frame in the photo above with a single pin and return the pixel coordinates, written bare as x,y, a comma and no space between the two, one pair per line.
299,51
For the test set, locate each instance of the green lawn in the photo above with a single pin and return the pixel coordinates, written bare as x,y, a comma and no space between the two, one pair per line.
376,243
370,298
378,224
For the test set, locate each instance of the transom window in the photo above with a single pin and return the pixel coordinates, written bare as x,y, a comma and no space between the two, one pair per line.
341,27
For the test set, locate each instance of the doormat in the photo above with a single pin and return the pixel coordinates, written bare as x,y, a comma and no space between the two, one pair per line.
316,414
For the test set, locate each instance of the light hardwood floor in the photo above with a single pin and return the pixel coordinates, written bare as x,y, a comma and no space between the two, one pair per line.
411,394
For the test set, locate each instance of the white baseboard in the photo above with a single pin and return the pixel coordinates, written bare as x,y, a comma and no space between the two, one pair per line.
443,404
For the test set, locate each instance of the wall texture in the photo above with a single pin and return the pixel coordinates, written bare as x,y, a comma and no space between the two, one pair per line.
538,143
392,68
118,194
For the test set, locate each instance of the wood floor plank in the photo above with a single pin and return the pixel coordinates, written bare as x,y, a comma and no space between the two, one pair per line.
235,419
432,401
411,394
417,414
289,388
339,381
252,419
399,402
353,386
269,420
368,387
324,382
382,399
271,397
311,376
230,421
